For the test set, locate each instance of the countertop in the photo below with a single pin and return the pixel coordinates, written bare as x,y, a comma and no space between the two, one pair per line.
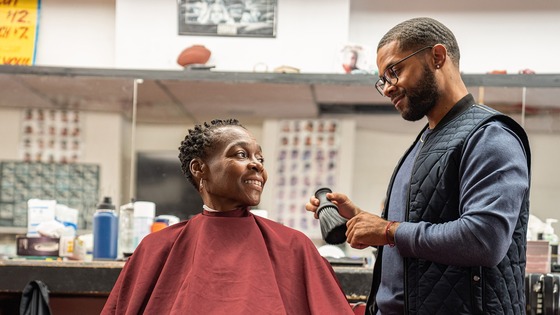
61,277
98,277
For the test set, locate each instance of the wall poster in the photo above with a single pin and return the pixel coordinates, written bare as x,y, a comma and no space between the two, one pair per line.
240,18
307,159
51,136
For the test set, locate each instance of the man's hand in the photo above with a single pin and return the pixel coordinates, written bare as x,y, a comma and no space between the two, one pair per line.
366,229
363,229
346,207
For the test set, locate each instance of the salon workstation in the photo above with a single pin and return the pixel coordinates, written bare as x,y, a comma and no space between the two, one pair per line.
97,98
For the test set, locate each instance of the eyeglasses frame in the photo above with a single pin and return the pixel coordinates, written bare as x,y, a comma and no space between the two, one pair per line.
380,84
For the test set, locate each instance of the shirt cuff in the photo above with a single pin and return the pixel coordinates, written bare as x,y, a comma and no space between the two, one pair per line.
404,238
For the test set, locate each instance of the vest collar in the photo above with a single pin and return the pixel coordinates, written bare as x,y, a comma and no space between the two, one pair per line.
461,106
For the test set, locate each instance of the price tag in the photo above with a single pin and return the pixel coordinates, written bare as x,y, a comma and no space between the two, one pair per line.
18,31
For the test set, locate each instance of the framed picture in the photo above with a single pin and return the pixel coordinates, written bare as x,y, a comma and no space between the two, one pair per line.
240,18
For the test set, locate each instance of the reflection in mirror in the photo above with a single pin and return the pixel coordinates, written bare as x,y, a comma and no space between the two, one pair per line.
68,142
535,108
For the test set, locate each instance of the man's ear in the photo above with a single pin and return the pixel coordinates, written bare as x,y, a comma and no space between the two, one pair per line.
197,168
439,55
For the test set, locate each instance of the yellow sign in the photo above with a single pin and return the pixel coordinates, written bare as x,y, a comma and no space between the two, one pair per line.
18,31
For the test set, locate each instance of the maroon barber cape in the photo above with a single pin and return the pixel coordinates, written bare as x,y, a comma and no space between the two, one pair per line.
227,263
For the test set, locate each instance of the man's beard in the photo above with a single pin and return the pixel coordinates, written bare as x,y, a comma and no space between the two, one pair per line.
422,98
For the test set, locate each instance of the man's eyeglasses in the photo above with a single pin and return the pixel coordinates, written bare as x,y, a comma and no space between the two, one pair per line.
390,76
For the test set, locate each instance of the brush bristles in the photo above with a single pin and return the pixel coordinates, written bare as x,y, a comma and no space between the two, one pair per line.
333,226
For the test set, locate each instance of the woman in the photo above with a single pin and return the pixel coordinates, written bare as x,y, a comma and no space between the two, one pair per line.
226,260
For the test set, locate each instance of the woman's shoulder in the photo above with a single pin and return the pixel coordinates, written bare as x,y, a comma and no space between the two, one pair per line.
281,228
165,237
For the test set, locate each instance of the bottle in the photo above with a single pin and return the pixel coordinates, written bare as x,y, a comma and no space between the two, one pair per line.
159,224
548,232
126,229
163,221
105,231
144,213
552,238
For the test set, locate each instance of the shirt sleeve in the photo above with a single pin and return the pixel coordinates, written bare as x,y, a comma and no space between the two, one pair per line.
494,179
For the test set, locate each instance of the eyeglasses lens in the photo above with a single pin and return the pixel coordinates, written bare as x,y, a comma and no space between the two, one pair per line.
389,77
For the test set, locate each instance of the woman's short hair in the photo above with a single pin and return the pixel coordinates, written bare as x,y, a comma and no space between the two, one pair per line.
198,140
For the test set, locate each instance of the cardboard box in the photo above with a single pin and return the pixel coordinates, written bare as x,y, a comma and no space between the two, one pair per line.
538,257
37,246
39,211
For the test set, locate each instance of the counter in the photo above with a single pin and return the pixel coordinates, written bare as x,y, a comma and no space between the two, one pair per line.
82,287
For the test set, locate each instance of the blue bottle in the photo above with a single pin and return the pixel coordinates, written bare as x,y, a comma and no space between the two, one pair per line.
105,231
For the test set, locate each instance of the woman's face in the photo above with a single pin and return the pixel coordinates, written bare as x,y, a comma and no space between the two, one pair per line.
235,175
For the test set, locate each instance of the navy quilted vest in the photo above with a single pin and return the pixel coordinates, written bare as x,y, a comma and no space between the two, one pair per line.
433,288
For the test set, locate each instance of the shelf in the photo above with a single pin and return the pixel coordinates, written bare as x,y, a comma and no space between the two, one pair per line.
13,230
193,75
513,80
502,80
178,97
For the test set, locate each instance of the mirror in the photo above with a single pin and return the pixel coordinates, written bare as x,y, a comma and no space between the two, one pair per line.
69,140
121,118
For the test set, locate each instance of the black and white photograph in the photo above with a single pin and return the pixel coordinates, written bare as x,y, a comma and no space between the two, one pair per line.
241,18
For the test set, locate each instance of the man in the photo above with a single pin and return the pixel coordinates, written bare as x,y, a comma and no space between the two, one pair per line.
452,236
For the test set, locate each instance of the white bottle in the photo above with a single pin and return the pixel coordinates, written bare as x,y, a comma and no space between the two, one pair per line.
144,213
548,233
126,229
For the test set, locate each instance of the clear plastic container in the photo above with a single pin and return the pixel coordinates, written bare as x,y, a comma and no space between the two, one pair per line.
144,213
126,229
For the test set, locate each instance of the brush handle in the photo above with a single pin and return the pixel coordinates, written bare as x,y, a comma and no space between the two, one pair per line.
333,226
321,194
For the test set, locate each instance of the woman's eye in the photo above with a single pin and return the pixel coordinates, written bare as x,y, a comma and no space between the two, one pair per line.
242,154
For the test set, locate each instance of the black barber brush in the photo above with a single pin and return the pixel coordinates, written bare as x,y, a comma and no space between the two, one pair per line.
333,226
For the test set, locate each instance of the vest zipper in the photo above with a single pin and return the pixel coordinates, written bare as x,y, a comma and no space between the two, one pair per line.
422,140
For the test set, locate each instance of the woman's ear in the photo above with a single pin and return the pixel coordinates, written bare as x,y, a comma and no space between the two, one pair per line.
196,167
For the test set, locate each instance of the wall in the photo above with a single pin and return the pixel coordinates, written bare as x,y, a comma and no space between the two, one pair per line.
491,34
103,145
76,34
545,176
143,34
146,37
155,137
10,124
102,139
